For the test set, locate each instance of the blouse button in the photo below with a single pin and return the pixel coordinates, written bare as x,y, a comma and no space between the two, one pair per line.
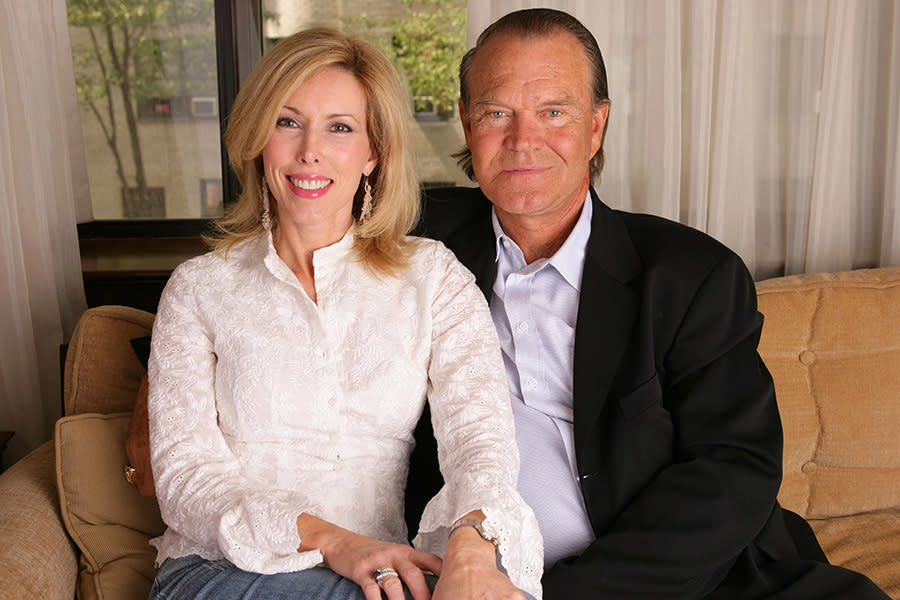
332,437
337,467
332,401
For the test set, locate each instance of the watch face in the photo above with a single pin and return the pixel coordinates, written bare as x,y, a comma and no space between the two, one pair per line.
488,532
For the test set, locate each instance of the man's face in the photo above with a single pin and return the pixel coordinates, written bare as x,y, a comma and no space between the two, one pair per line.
531,126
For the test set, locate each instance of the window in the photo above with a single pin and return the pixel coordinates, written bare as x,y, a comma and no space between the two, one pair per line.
425,39
155,79
146,74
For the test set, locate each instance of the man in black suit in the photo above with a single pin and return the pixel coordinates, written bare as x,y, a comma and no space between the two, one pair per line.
649,433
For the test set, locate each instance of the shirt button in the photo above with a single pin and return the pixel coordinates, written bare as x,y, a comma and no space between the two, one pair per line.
523,326
532,382
506,244
520,276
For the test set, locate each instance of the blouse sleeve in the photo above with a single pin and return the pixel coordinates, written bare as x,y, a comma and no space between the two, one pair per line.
473,425
201,490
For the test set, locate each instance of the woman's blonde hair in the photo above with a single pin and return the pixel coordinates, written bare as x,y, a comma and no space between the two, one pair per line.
292,61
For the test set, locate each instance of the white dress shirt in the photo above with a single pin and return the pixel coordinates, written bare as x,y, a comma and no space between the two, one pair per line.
264,405
534,308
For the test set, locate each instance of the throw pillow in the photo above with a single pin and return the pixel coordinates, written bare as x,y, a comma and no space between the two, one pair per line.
106,517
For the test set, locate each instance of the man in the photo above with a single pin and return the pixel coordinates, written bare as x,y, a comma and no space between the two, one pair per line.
647,424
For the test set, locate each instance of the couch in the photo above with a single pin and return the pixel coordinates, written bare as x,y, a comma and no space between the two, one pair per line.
70,522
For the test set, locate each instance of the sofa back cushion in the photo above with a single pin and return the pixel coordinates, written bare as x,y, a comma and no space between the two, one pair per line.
103,372
832,343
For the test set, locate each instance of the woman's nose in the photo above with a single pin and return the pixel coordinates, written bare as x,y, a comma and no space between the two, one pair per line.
308,150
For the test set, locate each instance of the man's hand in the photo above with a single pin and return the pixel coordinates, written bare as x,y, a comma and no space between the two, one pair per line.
470,570
356,557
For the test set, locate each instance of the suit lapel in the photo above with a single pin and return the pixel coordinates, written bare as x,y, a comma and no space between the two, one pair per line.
475,244
606,314
479,255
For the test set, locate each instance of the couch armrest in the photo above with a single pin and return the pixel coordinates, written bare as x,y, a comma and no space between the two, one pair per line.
38,557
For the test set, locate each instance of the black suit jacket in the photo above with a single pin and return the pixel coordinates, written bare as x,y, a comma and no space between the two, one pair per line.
677,433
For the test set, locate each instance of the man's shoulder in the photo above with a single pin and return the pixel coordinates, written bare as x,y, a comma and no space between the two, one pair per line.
448,211
660,239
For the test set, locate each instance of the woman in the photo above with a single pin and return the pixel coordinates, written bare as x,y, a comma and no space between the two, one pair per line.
289,367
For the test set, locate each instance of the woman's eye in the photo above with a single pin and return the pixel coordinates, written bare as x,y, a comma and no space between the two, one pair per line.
341,128
286,122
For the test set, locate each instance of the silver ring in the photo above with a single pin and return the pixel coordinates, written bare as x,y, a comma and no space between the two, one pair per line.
379,575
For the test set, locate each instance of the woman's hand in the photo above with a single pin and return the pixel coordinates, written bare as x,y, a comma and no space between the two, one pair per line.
356,557
470,570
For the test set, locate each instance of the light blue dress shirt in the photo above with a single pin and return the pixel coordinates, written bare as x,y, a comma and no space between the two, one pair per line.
534,307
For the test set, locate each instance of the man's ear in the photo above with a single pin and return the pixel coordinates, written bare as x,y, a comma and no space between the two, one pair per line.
598,125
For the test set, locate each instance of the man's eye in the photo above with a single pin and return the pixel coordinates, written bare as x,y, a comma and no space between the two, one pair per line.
554,113
497,114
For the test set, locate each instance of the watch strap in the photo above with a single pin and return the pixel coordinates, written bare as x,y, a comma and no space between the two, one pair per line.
482,526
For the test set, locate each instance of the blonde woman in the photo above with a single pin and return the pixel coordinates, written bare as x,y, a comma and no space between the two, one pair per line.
290,366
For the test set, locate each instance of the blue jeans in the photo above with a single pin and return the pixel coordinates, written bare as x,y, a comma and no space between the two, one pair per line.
195,578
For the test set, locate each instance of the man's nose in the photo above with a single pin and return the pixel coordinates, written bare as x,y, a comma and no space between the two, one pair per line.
525,133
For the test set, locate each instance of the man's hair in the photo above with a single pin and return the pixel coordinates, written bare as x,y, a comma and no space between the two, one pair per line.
539,22
380,241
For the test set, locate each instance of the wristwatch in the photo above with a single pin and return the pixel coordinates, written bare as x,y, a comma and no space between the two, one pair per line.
484,528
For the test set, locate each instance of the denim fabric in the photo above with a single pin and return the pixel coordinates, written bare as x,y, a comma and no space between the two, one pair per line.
195,578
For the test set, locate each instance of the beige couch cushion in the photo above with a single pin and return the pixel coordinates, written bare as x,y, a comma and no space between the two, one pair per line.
102,371
868,543
106,517
832,343
31,534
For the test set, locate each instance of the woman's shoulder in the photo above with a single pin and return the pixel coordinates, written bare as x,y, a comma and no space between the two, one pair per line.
430,253
434,267
218,263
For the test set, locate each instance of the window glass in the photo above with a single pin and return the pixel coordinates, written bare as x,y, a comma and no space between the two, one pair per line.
424,38
147,86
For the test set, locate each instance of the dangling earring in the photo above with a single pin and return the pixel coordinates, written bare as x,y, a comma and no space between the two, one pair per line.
264,219
365,212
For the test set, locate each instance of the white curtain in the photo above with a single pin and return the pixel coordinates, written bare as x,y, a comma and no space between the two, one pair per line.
41,170
773,125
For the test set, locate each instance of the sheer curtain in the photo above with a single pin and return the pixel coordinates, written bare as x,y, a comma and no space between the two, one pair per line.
40,270
772,125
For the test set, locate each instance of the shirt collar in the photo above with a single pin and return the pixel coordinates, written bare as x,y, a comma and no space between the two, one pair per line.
569,259
322,258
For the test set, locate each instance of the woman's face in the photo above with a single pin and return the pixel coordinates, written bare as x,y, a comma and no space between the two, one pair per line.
318,152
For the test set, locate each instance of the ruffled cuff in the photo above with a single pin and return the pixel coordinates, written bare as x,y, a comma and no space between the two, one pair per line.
520,548
259,534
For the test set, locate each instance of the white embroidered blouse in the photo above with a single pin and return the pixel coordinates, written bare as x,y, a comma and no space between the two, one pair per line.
264,405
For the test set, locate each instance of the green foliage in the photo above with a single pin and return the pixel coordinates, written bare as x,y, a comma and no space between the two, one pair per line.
153,47
426,45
